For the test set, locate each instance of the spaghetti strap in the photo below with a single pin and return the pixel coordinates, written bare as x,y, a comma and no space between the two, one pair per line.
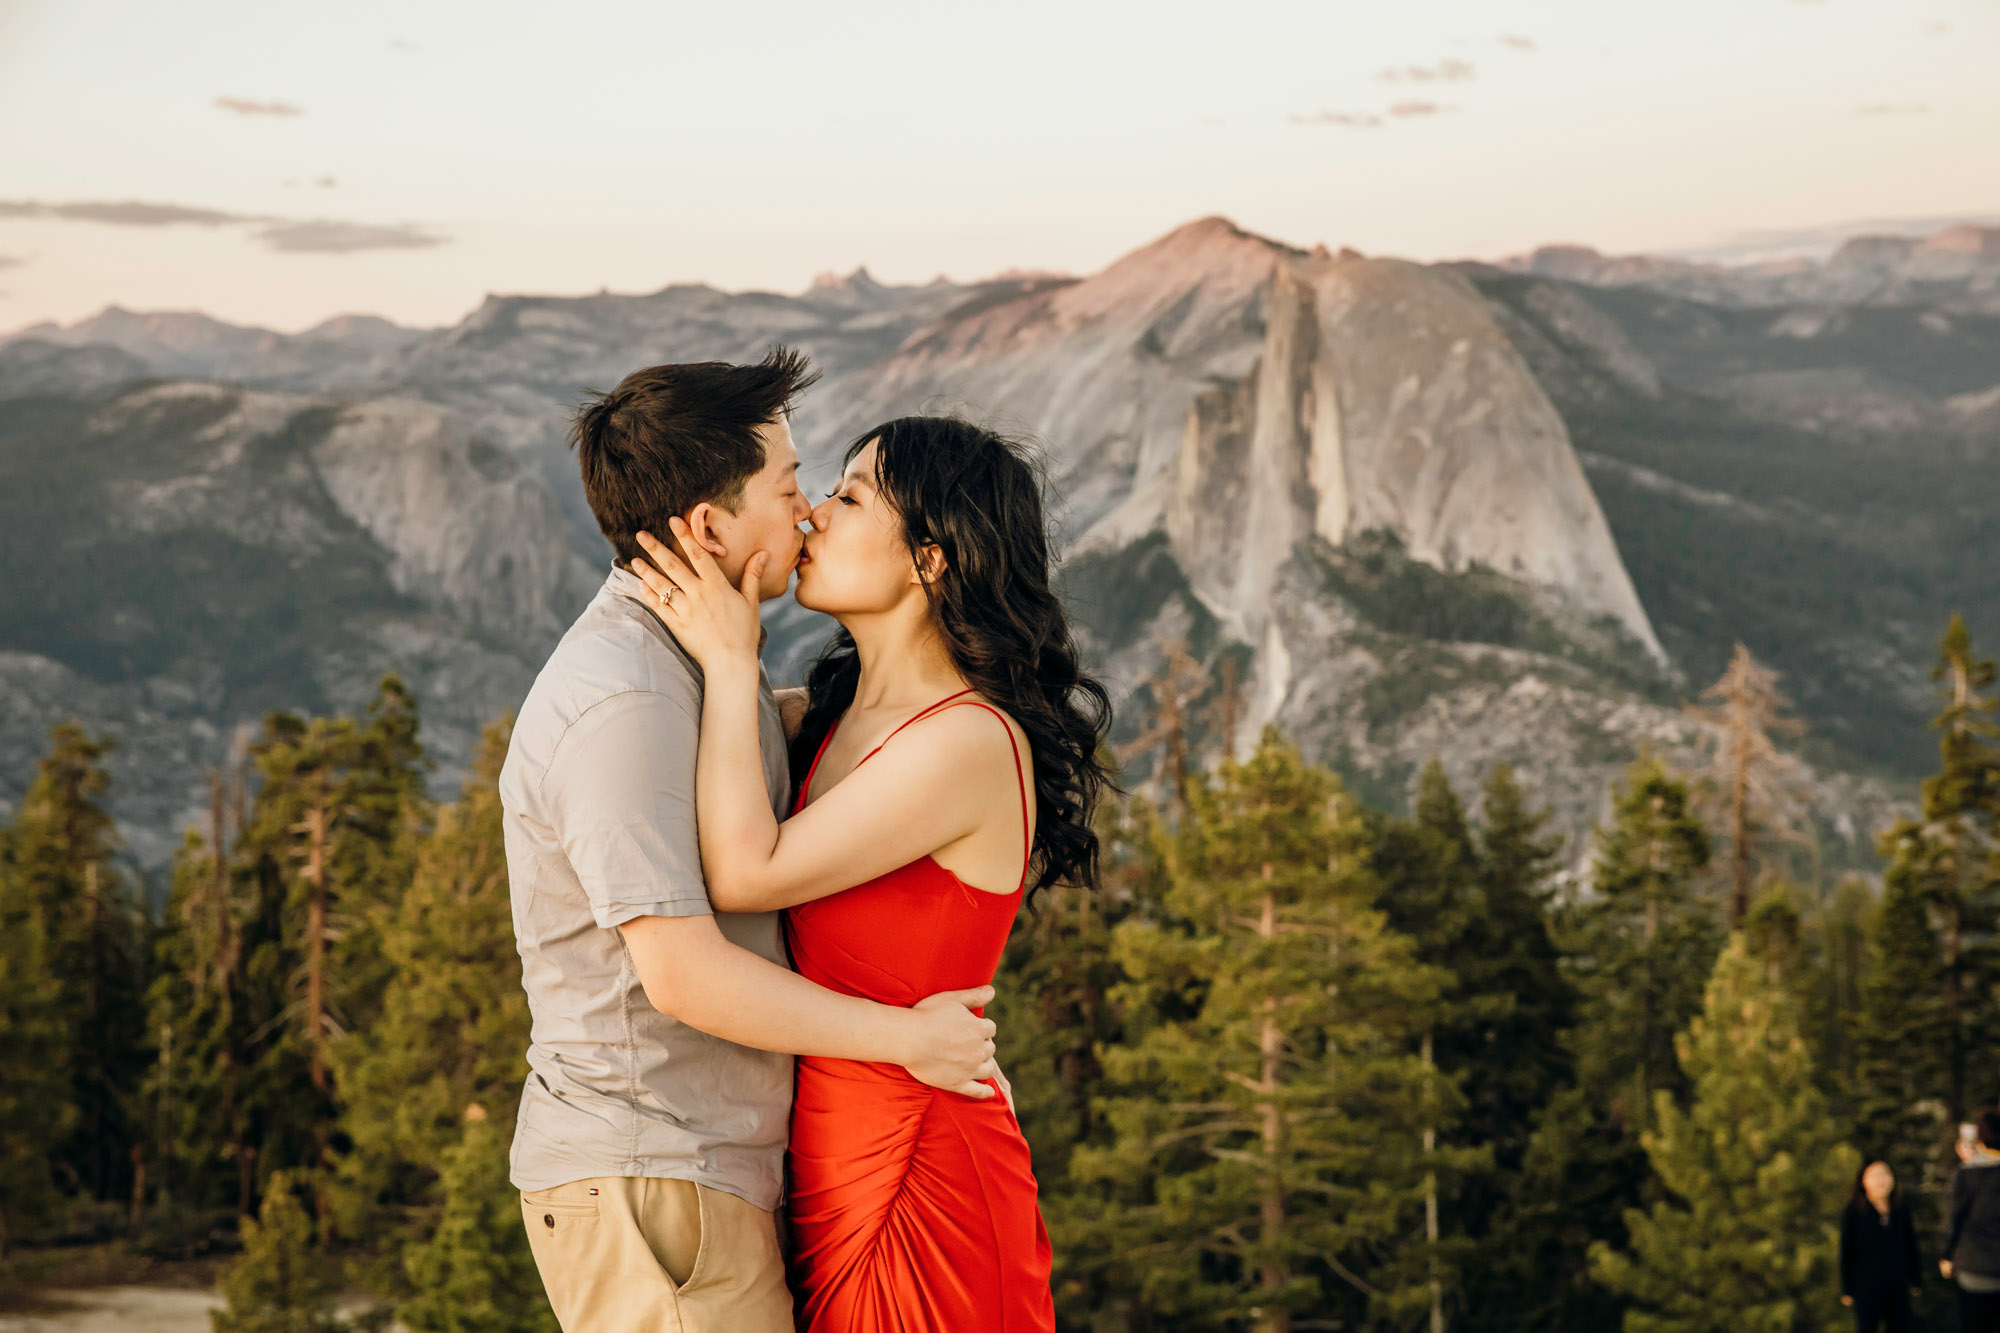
1021,780
805,789
950,701
918,716
1020,772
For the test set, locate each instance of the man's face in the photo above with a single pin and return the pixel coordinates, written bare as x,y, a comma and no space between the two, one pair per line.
766,519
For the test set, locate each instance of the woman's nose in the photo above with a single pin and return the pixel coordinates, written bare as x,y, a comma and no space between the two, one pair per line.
820,513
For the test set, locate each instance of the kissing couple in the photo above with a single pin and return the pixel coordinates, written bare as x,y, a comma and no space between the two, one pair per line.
710,879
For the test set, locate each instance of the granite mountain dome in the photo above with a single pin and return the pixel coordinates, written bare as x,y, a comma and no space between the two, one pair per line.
1243,396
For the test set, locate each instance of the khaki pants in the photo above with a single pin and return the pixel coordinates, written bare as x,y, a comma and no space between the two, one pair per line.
640,1255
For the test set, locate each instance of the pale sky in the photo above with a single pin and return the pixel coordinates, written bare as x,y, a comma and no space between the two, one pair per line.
457,149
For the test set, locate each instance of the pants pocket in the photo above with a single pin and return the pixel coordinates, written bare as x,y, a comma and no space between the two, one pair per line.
562,1212
673,1217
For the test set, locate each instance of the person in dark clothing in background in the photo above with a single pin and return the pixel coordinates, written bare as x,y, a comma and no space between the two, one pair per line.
1879,1268
1971,1253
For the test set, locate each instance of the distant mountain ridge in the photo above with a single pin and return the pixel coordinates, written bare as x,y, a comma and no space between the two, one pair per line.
1414,509
193,344
1956,268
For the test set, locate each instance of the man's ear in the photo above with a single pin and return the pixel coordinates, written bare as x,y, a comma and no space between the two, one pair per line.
701,528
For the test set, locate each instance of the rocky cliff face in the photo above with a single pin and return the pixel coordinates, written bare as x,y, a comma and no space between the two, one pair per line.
186,556
1243,396
1387,400
1349,481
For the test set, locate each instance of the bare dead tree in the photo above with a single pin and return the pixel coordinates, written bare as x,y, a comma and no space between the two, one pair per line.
1755,788
1176,684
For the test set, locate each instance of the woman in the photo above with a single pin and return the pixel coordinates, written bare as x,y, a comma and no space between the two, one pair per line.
911,1208
1879,1268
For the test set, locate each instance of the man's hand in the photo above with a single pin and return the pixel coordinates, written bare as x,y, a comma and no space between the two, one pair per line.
950,1046
1944,1267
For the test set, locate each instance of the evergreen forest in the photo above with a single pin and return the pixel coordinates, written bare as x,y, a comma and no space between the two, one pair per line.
1299,1062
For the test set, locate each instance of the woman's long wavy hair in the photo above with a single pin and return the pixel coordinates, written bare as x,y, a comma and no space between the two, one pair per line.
977,496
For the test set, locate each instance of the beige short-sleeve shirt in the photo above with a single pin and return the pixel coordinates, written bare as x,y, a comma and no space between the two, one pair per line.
599,808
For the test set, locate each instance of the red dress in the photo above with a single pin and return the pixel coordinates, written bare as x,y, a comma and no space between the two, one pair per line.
912,1209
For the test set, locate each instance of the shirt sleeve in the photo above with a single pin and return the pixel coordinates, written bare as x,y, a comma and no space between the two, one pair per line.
1954,1219
1847,1256
620,793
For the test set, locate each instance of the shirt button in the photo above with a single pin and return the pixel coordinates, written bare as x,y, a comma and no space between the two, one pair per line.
549,1221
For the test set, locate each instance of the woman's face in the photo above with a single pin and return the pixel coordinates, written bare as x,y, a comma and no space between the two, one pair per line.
1877,1182
856,560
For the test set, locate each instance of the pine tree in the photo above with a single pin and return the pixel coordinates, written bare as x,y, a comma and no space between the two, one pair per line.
1950,857
269,952
1428,871
475,1273
1583,1169
1642,944
63,872
1264,1108
1842,928
1903,1046
1743,1238
1523,1057
1636,951
281,1283
36,1110
1055,1012
1519,1067
191,1090
452,1023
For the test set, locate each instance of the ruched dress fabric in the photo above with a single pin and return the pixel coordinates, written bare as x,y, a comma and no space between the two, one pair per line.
912,1209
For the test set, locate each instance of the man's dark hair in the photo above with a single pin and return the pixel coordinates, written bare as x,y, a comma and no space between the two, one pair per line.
670,437
1989,1128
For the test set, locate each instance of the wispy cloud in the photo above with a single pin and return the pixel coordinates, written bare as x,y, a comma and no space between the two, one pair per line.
11,261
245,106
340,238
1444,71
1353,120
1514,41
1937,29
286,235
127,213
1407,109
1893,109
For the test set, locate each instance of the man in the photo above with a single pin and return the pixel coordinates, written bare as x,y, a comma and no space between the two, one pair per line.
650,1146
1971,1250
